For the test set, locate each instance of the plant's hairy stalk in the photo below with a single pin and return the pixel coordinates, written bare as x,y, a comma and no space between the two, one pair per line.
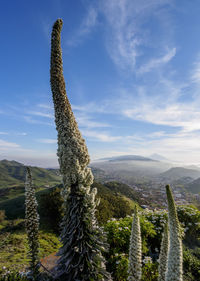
135,250
175,256
32,225
163,254
83,241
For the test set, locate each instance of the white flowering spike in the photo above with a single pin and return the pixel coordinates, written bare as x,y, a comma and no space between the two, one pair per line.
72,151
83,241
175,256
32,225
135,250
163,254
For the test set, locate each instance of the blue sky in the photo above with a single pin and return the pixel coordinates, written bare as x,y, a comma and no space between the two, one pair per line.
132,71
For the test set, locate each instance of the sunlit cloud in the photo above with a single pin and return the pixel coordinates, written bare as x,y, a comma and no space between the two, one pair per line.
8,145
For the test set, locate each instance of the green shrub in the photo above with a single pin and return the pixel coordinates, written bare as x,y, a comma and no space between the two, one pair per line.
6,275
118,235
191,266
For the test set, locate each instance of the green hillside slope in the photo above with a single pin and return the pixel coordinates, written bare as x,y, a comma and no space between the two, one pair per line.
13,173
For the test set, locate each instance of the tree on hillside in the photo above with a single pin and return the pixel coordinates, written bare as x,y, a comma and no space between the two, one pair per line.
175,256
81,254
32,225
135,250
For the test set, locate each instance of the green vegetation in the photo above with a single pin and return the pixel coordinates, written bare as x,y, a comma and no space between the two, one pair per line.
13,245
12,177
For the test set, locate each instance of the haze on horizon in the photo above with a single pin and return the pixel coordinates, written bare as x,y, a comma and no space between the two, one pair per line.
132,71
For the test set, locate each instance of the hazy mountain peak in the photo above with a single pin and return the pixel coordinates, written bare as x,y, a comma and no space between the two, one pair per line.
127,158
158,157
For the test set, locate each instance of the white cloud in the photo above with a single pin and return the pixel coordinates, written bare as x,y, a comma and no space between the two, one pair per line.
185,116
195,75
87,122
127,31
99,136
157,62
47,141
86,26
41,114
45,106
3,133
30,120
21,134
6,145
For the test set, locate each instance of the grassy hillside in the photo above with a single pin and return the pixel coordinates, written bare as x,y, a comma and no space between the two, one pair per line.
12,178
117,200
13,173
14,247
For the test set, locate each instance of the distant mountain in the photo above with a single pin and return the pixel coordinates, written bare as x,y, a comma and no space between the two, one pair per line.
12,175
129,169
177,173
127,158
184,181
158,157
194,186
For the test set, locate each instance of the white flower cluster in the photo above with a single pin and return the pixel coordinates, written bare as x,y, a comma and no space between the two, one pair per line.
147,260
32,222
135,250
175,256
163,254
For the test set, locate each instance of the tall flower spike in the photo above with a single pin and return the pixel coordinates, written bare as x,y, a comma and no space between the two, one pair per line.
32,225
135,250
163,254
72,151
83,241
175,256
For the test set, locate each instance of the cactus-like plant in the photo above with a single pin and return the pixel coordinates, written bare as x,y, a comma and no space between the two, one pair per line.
32,225
81,254
175,256
135,250
163,254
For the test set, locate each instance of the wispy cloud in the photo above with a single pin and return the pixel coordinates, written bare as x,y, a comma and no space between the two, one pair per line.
99,136
157,62
45,106
87,122
47,141
86,26
30,120
127,31
6,144
185,116
195,75
41,114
